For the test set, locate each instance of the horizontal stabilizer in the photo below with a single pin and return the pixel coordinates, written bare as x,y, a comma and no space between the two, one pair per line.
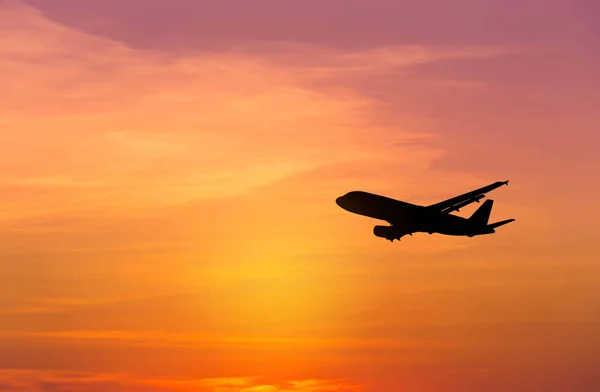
501,223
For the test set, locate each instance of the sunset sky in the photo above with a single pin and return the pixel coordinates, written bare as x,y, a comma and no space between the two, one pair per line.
168,175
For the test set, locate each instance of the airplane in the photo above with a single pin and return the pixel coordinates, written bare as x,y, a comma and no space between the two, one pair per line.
406,218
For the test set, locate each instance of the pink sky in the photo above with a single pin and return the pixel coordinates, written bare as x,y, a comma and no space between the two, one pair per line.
169,171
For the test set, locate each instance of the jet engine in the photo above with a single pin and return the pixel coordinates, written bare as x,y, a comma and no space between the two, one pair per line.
388,232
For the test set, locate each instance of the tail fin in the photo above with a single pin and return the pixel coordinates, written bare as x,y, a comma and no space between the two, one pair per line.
482,215
501,223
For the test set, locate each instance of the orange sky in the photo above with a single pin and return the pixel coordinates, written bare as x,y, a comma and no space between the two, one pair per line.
168,219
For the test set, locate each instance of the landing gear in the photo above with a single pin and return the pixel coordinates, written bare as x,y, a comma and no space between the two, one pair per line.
398,238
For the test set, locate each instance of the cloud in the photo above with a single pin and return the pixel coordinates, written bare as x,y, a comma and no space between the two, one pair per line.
18,380
359,23
111,148
202,340
106,124
129,172
25,380
320,385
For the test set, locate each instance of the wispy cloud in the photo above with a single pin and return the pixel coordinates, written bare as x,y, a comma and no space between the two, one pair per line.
118,125
106,146
202,340
22,380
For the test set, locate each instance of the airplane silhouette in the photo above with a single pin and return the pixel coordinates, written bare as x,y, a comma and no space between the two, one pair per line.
405,218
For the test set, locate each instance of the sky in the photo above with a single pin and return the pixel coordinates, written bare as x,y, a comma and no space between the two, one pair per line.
168,172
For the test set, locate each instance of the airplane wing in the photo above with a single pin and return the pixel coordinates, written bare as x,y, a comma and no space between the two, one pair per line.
455,203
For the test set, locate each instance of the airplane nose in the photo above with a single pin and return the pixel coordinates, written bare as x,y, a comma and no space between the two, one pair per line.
338,201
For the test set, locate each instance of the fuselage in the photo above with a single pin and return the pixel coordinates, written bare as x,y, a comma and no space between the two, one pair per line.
378,207
407,217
